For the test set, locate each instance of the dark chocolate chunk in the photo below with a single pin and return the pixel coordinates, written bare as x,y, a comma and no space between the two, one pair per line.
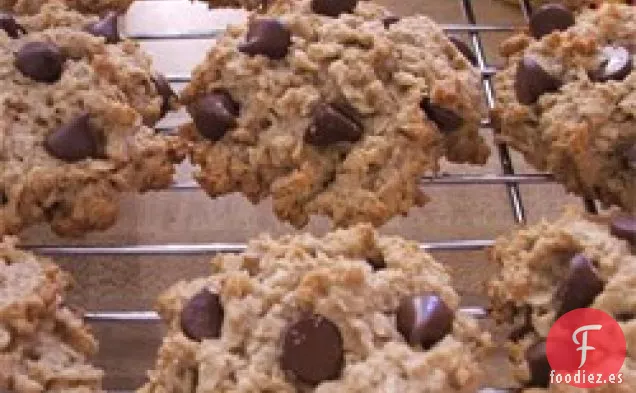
624,316
313,350
106,27
214,114
333,8
539,366
624,227
40,61
377,262
267,37
464,49
616,64
532,81
202,316
580,287
10,25
446,119
73,141
389,20
549,18
333,123
424,320
165,91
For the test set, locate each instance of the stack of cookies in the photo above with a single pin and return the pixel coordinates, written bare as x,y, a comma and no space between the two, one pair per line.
329,108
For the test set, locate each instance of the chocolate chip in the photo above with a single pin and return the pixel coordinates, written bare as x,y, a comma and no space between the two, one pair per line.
624,316
539,366
616,64
580,287
624,227
313,350
532,81
3,198
446,119
73,141
390,20
333,123
202,316
106,27
214,114
424,320
549,18
464,49
267,37
377,262
40,61
333,8
10,25
165,91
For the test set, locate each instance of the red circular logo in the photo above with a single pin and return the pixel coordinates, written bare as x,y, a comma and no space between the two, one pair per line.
586,348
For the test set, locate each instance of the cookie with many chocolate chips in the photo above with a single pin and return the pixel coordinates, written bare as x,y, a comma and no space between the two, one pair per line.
72,112
568,102
552,268
44,346
332,115
307,314
87,6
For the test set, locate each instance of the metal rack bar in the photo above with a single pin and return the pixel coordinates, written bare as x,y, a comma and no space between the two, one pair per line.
514,194
215,248
486,72
153,317
215,32
447,180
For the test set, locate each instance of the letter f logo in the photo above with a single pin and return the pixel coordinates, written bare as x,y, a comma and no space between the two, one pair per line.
584,347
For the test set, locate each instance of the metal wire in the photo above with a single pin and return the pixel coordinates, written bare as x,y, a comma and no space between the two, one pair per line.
153,317
514,194
510,179
216,248
215,32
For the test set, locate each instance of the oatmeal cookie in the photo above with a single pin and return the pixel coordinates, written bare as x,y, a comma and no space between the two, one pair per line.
43,345
568,102
337,116
552,268
71,133
87,6
122,60
349,312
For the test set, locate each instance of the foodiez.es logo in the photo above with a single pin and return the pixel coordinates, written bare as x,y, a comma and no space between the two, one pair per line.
586,348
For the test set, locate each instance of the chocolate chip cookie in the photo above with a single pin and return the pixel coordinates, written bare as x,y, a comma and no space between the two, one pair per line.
552,268
349,312
43,345
124,61
332,115
568,102
88,6
72,136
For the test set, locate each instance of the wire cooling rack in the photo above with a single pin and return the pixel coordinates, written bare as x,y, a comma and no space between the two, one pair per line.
509,178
